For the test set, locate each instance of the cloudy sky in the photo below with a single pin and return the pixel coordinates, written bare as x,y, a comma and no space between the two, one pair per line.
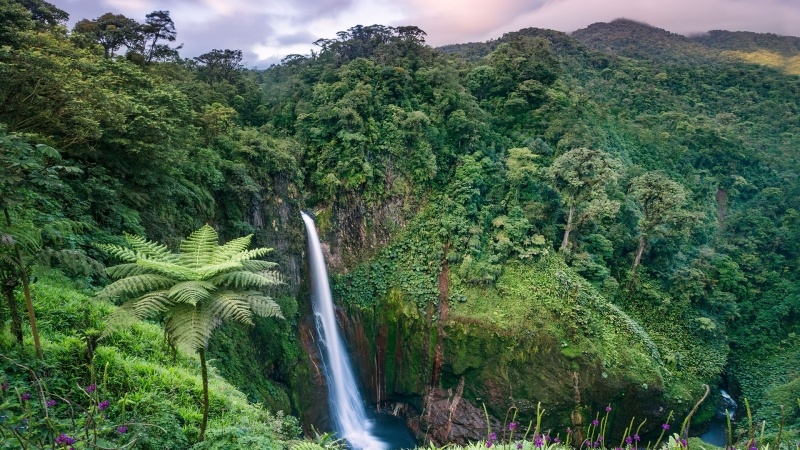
268,30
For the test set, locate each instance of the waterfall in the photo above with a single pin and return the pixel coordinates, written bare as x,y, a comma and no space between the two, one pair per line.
347,408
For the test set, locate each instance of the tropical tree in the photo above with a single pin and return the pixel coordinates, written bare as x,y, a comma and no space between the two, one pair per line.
661,204
193,290
581,176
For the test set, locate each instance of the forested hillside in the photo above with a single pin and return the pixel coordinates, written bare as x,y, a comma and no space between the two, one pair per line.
607,217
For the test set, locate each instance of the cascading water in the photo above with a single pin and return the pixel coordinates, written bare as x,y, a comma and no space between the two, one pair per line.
717,433
346,405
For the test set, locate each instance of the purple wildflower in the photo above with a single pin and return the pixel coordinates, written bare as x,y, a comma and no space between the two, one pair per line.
595,422
556,440
489,444
597,444
629,440
65,440
122,429
50,403
102,405
538,441
599,438
91,388
752,445
512,426
547,438
665,426
636,438
569,430
4,386
25,396
492,437
608,408
519,445
683,443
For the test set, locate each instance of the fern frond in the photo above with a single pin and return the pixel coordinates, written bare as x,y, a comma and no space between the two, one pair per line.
117,320
172,270
117,251
258,265
230,248
189,327
125,270
149,305
198,249
191,292
245,279
264,306
150,249
231,306
207,272
251,254
136,285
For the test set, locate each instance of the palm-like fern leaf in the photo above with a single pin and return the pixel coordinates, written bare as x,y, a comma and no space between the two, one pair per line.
125,270
211,271
265,307
231,248
198,249
257,265
191,292
149,305
250,254
248,280
122,253
189,327
149,249
136,285
231,306
169,269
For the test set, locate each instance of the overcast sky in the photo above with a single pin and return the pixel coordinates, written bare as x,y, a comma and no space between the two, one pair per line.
268,30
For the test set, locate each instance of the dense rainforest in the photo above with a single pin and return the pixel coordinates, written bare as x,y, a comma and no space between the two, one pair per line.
595,224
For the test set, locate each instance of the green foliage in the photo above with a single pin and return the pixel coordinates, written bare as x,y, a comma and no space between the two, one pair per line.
150,388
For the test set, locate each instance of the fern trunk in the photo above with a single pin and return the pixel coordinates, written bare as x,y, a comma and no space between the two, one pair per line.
16,320
204,372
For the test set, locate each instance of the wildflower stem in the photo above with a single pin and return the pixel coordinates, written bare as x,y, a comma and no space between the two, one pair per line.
663,430
688,420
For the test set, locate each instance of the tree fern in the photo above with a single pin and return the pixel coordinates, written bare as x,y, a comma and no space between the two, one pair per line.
194,290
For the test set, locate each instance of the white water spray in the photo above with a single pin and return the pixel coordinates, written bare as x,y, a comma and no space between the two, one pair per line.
346,406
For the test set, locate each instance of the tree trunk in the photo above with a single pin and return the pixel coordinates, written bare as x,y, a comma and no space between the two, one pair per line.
638,258
204,372
29,304
26,289
16,321
565,241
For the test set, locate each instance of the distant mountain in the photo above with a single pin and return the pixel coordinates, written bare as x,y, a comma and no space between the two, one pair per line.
748,41
639,40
